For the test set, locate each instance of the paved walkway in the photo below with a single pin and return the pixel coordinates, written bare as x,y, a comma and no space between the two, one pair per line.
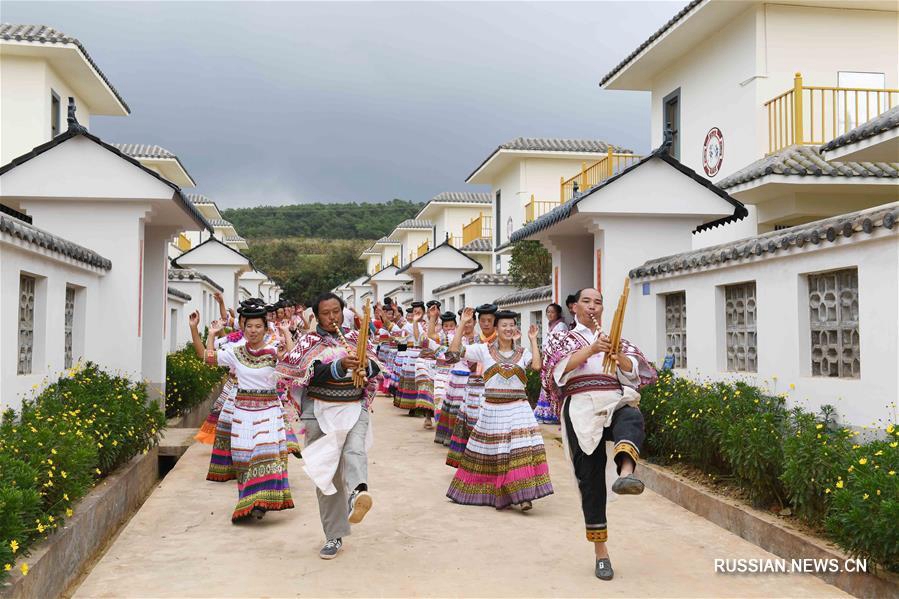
415,542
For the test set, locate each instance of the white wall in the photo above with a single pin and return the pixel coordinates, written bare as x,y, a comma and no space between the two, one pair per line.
94,333
472,295
201,298
783,324
25,85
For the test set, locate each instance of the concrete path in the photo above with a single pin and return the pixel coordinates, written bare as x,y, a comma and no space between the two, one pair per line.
415,542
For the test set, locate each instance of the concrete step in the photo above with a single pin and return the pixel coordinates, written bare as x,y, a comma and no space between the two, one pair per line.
175,441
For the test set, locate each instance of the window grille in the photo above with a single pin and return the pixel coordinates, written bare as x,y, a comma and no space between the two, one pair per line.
740,327
833,309
26,323
676,328
69,321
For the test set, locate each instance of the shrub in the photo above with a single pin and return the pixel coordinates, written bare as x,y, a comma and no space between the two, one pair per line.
188,381
865,506
792,457
54,449
533,387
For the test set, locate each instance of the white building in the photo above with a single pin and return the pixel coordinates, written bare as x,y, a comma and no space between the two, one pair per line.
221,263
201,290
437,267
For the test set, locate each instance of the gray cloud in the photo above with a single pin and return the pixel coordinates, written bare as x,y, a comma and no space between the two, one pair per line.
275,103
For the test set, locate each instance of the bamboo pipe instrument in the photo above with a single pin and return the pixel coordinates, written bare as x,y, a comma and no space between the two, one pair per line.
608,364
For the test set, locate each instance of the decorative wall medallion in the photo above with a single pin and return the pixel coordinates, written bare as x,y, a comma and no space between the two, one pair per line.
713,151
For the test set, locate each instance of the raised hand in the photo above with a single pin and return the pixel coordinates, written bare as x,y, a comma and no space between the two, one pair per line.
601,344
532,332
284,328
216,327
516,335
467,316
433,313
194,319
416,317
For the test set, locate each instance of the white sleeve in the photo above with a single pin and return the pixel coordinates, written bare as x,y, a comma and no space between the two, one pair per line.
476,352
632,378
527,357
225,357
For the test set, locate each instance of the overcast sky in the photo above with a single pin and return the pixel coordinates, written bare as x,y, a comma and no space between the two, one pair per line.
289,102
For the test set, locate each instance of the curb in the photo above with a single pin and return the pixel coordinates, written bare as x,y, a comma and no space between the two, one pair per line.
197,414
58,561
765,531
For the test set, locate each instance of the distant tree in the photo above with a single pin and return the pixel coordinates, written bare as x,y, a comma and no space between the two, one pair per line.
531,265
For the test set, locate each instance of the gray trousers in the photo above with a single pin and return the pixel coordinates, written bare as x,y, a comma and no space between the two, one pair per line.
351,472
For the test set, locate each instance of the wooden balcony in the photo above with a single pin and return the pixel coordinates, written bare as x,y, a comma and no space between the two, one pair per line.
183,242
813,115
455,241
591,176
422,249
534,209
479,228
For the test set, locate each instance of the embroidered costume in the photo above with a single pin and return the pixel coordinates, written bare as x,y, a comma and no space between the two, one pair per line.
544,412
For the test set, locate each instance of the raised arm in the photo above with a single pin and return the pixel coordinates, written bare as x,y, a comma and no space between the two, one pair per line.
221,302
194,320
466,318
536,359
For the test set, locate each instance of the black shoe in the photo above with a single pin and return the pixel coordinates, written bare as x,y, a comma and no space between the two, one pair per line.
257,513
604,569
330,549
628,485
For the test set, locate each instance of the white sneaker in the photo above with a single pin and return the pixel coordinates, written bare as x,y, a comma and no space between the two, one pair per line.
360,503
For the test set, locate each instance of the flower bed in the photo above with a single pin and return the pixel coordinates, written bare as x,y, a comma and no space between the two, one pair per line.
188,381
847,490
59,444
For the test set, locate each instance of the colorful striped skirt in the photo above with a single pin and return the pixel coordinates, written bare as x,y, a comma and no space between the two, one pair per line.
441,376
544,412
449,408
407,392
504,462
259,453
220,466
466,419
206,434
424,385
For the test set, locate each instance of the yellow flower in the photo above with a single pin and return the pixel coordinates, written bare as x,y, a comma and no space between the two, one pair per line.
97,470
827,490
14,545
65,496
24,569
819,426
892,473
894,443
7,567
839,484
792,386
40,528
64,474
865,496
891,428
863,461
53,451
69,512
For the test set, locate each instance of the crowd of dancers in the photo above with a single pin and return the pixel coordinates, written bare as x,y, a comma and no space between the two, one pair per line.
296,370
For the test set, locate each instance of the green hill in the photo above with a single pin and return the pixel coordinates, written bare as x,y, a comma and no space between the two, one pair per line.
326,221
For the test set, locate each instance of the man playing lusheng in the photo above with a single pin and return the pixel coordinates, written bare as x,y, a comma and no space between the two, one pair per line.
595,407
336,416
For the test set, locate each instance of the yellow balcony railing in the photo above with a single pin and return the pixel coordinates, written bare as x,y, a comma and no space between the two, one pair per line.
813,115
591,176
396,260
534,209
455,241
183,242
422,249
479,228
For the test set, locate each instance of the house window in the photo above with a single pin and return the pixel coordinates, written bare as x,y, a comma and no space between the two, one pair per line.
68,325
537,319
833,310
26,323
461,300
740,327
54,114
676,328
671,120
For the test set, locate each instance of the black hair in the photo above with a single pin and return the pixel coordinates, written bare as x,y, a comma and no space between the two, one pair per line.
577,296
558,309
486,309
505,315
323,297
447,317
254,316
572,299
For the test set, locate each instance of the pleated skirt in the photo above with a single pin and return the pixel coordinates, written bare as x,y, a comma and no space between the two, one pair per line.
466,419
206,434
544,412
449,407
504,461
407,391
220,466
259,454
424,385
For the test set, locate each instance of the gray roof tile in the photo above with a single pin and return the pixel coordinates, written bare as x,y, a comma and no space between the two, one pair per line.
481,244
46,35
412,223
884,122
862,222
387,240
178,293
525,296
189,274
805,161
198,199
219,222
551,144
481,279
233,239
144,151
31,234
465,197
671,23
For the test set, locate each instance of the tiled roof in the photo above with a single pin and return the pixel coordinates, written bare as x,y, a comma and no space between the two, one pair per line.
199,199
220,222
550,144
563,211
805,161
179,294
863,222
673,21
884,122
454,249
144,151
46,35
482,244
400,289
31,234
525,296
387,241
475,280
412,223
233,239
467,197
189,274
